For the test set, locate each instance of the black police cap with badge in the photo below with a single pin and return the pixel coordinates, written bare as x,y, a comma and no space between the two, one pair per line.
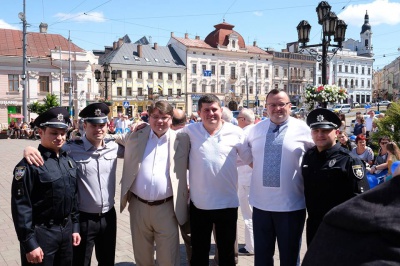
56,117
323,118
95,113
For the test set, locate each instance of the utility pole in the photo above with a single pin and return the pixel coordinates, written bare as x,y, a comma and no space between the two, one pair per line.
24,78
70,78
61,77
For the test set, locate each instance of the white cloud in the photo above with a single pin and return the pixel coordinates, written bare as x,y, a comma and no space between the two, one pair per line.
82,17
5,25
258,13
379,11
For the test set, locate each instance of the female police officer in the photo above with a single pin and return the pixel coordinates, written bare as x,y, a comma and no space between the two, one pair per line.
44,199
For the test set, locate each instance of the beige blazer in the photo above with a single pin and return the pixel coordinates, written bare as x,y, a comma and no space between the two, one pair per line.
179,146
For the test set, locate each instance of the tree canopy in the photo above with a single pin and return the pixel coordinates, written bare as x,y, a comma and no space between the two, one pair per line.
390,124
49,101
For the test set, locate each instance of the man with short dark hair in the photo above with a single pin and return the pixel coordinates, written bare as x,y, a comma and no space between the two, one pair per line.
213,177
331,173
44,199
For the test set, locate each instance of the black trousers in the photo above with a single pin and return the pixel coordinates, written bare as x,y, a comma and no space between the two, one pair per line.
201,225
100,231
56,243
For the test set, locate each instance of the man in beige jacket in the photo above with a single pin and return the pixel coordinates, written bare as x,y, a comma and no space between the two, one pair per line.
155,185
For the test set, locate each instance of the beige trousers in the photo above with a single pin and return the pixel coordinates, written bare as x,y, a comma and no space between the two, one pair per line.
154,225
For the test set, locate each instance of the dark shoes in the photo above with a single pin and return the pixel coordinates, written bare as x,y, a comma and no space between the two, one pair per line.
244,252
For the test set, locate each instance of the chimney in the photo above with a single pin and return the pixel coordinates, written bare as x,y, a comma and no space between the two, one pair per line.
139,50
120,42
155,46
172,34
254,43
197,37
43,27
186,36
115,45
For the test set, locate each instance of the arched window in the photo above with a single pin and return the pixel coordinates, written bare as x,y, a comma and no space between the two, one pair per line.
340,82
366,43
233,43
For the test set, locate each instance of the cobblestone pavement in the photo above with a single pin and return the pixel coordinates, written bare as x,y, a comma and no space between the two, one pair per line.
9,245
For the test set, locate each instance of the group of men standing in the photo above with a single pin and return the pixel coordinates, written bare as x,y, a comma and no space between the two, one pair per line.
154,182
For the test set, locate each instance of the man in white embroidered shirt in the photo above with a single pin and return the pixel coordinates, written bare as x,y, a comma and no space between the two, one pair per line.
155,185
276,190
213,181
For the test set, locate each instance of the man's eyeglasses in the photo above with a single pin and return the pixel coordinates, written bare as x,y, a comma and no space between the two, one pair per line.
384,142
240,117
275,105
163,118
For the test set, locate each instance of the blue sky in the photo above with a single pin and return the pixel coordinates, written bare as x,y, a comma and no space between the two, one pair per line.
95,24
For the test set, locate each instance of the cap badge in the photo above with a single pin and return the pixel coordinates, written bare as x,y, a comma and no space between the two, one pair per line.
60,117
332,162
97,112
320,118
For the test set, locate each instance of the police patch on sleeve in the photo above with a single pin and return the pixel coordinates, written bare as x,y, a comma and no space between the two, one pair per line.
358,171
19,172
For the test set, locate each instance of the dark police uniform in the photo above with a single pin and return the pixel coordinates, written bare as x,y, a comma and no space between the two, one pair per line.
44,200
331,176
96,186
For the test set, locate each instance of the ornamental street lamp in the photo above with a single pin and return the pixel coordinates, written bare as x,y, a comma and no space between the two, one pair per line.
106,77
331,26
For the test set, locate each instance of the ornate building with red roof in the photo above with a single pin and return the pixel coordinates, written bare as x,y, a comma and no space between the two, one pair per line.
224,65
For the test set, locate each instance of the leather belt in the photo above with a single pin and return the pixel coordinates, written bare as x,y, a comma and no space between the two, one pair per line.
55,222
154,202
95,215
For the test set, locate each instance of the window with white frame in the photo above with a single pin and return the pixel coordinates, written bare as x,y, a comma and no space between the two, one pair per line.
13,83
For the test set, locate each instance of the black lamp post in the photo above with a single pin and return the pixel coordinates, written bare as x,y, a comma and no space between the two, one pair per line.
106,77
331,26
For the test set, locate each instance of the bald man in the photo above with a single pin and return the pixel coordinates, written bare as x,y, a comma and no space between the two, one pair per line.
178,119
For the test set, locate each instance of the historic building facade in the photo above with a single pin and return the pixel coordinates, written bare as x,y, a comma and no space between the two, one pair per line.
222,64
47,71
145,73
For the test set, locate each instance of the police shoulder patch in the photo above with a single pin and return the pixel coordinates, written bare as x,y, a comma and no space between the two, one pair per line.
358,171
19,172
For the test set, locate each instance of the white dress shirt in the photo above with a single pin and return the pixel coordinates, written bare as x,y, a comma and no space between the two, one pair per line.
153,181
213,173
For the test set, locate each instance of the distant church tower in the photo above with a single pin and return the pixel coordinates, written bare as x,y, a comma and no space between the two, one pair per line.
365,46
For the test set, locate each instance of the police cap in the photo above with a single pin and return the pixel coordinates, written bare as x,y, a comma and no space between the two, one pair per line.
323,118
56,117
95,113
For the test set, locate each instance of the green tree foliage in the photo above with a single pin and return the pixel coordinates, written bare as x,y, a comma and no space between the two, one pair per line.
390,124
50,101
